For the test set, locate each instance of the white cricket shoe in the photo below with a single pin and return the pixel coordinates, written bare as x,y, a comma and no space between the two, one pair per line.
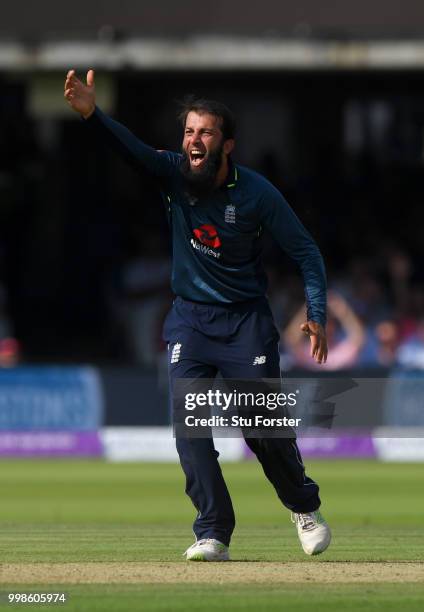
314,533
207,549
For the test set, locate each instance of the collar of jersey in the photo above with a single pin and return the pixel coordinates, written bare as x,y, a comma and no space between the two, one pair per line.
232,176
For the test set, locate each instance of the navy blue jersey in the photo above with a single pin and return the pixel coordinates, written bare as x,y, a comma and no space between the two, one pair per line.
216,239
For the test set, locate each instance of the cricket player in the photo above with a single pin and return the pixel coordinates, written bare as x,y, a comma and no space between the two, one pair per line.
220,321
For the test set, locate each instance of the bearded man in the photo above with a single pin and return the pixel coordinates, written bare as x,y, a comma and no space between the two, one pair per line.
220,321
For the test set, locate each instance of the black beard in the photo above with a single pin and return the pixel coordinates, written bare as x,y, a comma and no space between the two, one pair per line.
201,182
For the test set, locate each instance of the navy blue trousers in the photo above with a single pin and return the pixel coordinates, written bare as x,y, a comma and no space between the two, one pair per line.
204,340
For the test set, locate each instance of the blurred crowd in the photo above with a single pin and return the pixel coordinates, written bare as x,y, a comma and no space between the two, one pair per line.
375,318
85,249
375,311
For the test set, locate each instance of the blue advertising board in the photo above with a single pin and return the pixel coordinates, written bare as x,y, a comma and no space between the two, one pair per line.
50,398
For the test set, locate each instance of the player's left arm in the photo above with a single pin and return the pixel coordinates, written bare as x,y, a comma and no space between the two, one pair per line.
278,217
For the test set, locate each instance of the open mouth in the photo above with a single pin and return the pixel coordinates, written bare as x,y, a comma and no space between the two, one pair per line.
197,157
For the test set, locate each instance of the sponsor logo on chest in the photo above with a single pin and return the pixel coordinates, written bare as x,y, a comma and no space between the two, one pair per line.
206,240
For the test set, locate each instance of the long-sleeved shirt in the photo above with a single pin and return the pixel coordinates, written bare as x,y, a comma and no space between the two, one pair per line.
217,239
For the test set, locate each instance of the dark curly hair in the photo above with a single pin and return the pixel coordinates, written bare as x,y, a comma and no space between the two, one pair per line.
202,105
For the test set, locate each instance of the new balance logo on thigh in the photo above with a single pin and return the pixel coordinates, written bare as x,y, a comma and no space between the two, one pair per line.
259,360
175,355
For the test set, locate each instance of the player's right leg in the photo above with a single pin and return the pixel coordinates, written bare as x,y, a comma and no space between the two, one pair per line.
205,484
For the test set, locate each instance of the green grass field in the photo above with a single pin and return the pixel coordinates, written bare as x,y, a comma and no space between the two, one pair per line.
121,528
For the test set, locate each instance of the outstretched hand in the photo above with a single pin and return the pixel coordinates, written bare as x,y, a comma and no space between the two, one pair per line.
316,333
81,98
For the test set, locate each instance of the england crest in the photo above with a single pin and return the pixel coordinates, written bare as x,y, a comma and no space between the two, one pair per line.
230,214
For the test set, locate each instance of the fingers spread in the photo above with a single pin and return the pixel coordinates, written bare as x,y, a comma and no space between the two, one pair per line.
72,81
321,354
319,348
69,78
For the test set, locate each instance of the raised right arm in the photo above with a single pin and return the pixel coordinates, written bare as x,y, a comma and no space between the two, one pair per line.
82,100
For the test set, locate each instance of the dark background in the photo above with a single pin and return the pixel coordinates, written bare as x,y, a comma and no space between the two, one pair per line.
84,245
72,213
